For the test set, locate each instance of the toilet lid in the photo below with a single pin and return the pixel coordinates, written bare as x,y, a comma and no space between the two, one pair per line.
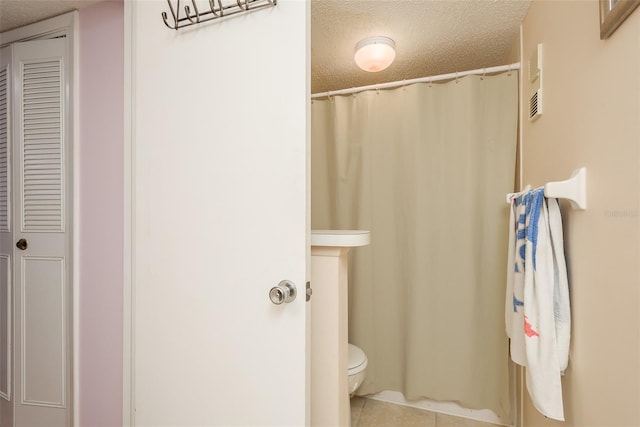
356,357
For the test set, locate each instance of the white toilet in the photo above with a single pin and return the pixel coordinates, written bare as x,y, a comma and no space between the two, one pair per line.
357,368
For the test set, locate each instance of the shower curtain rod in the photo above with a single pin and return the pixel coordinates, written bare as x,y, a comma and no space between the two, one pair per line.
450,76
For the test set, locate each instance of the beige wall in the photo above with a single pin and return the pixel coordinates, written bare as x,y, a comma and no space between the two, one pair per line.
591,117
513,55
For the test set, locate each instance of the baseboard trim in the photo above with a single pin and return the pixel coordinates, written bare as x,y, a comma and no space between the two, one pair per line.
449,408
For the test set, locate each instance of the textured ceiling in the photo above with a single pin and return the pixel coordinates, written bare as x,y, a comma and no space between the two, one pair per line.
432,36
16,13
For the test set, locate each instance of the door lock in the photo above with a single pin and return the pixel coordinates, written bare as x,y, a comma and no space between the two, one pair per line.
309,291
284,292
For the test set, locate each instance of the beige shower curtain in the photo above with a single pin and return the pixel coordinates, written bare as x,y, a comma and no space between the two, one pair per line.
426,169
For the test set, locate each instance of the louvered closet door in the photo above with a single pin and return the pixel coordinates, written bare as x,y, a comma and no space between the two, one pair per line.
41,300
6,238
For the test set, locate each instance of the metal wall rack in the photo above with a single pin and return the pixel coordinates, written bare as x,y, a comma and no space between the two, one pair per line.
184,16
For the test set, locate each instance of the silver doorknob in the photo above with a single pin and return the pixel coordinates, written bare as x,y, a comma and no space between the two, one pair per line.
284,292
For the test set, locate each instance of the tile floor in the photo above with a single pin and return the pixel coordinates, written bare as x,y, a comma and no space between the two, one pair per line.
374,413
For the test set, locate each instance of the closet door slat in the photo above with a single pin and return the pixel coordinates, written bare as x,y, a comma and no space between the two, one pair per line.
42,167
4,151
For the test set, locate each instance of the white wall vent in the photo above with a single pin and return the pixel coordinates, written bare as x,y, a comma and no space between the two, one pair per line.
535,105
535,78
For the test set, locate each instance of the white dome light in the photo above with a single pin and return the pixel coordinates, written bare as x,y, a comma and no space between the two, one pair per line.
375,53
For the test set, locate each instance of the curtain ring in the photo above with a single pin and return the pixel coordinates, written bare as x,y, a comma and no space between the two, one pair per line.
456,77
484,72
509,70
430,81
377,91
329,95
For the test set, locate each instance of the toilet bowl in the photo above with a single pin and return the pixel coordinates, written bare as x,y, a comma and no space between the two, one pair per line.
357,368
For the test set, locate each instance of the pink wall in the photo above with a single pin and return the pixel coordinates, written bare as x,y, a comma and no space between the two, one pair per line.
101,213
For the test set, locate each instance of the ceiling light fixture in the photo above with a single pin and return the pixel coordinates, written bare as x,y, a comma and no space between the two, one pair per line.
375,53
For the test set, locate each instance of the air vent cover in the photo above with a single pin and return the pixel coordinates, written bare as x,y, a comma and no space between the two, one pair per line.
535,105
535,78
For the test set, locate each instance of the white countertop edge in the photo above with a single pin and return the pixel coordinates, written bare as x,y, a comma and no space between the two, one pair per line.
340,238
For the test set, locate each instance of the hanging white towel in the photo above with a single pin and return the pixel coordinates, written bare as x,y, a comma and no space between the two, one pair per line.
561,304
543,367
539,323
514,301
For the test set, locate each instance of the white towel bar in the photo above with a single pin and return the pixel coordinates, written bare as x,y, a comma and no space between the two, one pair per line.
573,189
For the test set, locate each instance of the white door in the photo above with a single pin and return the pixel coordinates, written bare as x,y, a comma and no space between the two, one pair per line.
220,216
6,238
41,224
